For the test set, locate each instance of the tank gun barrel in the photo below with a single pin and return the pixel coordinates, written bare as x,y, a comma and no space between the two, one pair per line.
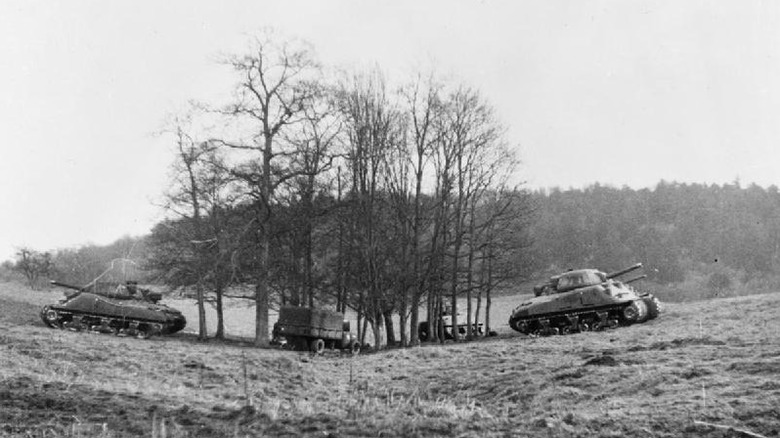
624,271
635,279
67,286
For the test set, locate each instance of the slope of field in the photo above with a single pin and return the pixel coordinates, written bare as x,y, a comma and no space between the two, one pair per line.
716,362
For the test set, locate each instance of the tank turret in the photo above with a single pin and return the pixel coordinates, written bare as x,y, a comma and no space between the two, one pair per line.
126,291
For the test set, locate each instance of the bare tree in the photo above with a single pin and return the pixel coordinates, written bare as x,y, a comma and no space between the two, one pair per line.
273,91
187,193
312,156
195,248
33,265
373,128
422,105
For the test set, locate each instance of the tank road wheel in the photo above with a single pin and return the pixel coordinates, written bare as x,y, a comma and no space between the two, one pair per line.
603,323
51,318
572,322
635,312
108,326
522,327
143,332
653,306
75,324
586,325
317,346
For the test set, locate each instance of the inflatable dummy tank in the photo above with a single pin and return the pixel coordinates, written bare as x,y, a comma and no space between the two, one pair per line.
583,300
126,310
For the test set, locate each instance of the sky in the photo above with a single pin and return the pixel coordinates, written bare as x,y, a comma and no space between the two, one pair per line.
615,92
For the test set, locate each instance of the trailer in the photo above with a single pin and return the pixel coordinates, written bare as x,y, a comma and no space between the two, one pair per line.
303,328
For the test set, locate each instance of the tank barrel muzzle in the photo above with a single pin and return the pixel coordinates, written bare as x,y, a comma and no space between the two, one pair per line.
624,271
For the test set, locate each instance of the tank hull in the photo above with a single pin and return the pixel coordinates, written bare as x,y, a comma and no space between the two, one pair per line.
87,311
601,303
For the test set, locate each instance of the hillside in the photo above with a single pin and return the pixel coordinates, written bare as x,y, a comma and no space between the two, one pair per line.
714,361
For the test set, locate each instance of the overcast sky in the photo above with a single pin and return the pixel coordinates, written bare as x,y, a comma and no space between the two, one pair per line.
623,93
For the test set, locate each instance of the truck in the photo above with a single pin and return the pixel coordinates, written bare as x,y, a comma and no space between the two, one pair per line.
304,328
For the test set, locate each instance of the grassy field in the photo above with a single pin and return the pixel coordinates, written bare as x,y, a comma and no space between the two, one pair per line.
699,364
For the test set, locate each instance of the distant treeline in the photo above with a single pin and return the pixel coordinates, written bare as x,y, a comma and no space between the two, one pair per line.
695,240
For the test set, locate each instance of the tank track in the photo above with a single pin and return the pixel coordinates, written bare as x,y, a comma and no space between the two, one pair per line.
602,318
84,321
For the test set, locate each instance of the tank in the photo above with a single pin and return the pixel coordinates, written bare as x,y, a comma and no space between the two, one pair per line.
124,310
583,300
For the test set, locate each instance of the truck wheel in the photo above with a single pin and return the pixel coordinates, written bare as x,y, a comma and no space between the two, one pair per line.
317,346
354,347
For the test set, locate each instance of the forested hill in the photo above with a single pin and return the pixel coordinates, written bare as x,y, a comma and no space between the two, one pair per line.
695,240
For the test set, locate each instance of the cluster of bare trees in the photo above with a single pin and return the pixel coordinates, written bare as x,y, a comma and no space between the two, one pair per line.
34,265
342,192
115,262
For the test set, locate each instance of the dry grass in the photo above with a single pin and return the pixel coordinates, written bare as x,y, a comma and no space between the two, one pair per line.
716,362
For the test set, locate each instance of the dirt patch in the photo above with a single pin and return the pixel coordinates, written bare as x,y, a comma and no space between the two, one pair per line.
677,343
755,367
602,361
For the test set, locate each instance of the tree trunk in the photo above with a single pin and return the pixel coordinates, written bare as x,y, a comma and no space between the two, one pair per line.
194,192
375,327
488,299
403,318
202,331
479,293
389,330
365,330
470,322
220,334
261,288
414,319
469,283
